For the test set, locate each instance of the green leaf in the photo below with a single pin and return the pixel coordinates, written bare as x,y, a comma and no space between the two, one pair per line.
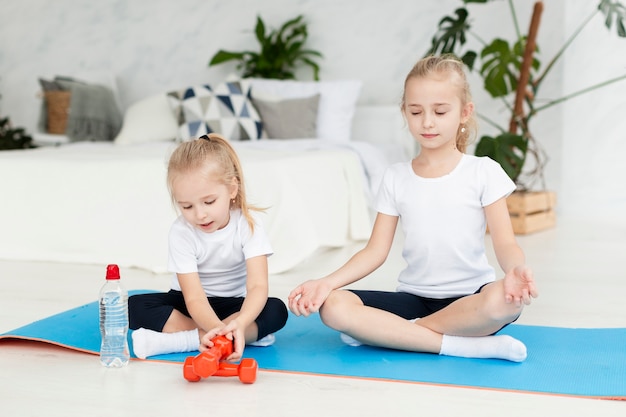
224,56
314,66
293,22
507,149
469,58
450,33
500,68
614,11
259,30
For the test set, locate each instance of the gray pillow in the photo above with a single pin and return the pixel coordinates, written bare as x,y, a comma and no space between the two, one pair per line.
294,118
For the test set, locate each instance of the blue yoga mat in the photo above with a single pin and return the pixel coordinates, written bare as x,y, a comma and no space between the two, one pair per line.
587,363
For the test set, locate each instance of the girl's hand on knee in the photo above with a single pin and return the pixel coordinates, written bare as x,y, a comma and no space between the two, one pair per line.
519,286
308,297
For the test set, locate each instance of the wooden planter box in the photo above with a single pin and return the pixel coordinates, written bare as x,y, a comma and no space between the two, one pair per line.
531,211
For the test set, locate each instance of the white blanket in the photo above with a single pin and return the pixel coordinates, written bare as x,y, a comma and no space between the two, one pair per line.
101,203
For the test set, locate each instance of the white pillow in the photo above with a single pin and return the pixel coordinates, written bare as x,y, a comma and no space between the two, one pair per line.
148,120
336,106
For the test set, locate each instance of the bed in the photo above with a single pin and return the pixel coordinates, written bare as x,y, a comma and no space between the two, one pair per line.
106,202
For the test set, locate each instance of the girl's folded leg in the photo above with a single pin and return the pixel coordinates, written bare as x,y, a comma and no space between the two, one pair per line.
149,343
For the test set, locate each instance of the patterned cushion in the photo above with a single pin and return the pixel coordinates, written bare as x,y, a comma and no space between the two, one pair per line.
225,109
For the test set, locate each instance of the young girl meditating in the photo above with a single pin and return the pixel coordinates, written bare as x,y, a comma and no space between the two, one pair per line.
218,251
444,199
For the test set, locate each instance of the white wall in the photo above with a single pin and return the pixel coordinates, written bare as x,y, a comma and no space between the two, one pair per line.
594,127
154,46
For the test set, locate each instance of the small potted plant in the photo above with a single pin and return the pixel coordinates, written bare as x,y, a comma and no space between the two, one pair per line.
281,52
13,137
511,72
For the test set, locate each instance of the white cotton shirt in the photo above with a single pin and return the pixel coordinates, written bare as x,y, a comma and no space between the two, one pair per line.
444,224
219,257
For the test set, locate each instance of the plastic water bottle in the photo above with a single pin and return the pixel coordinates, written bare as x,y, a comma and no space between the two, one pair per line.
113,300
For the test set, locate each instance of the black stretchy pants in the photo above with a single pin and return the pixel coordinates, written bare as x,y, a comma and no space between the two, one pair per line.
152,310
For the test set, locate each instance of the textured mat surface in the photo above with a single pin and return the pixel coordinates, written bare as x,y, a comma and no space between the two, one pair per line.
562,361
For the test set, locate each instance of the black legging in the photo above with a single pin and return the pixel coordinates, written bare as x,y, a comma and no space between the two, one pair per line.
152,310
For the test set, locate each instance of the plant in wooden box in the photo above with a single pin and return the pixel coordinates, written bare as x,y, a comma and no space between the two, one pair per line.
281,52
512,73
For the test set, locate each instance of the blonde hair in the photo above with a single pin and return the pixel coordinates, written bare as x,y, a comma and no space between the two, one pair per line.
447,65
211,149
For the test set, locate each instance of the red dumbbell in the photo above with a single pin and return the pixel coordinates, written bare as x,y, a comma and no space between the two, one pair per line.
245,370
207,363
188,372
210,363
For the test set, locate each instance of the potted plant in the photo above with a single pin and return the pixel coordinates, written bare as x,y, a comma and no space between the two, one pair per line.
13,137
511,72
281,52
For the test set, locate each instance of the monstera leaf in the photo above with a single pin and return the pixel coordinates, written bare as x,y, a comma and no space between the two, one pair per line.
451,36
614,11
451,31
508,149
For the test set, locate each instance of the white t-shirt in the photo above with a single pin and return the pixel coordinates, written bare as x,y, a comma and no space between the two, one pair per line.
219,258
444,224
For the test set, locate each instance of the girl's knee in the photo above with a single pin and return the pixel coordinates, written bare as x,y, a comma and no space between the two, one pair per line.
497,307
273,317
334,311
280,312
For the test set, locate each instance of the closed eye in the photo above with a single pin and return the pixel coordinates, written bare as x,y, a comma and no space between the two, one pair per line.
208,203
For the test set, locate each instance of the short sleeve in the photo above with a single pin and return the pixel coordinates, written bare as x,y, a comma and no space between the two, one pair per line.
497,184
181,249
255,243
385,199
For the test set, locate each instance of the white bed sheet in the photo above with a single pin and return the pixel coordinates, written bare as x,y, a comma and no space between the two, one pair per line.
372,158
103,203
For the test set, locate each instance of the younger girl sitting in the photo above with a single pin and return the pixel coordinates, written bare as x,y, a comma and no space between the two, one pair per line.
218,251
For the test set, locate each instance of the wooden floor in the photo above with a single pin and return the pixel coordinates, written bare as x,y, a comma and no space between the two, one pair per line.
579,267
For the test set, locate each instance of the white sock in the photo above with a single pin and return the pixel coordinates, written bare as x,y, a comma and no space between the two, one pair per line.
149,343
496,347
349,340
264,341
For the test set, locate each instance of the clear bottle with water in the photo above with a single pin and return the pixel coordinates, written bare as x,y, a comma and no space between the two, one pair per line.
114,352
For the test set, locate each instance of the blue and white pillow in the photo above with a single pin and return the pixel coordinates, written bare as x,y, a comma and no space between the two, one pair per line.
225,109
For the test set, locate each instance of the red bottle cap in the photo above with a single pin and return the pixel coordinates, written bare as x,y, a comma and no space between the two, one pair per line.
113,272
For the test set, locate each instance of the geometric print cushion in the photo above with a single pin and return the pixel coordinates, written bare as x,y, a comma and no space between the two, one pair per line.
226,109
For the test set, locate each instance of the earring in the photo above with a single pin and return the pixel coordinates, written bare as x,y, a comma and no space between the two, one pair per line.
463,129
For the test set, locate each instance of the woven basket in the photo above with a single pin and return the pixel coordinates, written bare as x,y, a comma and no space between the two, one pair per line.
58,105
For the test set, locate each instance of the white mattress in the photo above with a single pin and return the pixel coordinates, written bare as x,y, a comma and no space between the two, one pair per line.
103,203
